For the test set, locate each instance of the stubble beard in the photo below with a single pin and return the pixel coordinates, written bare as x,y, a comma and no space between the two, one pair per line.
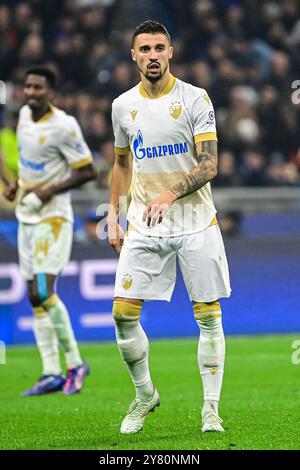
153,79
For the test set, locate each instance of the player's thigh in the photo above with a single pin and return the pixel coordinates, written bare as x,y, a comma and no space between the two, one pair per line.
52,246
146,268
26,249
41,288
203,263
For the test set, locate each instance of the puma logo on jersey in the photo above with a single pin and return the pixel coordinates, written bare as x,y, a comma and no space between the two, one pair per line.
42,139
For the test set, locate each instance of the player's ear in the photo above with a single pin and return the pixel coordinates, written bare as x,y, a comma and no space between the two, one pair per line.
171,52
51,93
133,55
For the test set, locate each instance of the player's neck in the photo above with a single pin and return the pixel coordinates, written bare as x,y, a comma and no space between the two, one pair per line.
37,114
156,89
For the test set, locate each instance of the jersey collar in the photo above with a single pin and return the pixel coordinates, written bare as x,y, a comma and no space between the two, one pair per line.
46,116
170,85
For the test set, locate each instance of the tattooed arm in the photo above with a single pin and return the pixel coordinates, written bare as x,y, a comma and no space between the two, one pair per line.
202,174
205,171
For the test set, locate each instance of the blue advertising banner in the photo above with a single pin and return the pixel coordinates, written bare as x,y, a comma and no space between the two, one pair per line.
265,299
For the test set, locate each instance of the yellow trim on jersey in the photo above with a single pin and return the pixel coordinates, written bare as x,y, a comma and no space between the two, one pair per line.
203,137
170,85
131,228
46,116
124,311
122,151
214,221
81,163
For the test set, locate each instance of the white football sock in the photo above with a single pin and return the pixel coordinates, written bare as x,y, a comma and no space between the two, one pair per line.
134,348
61,321
46,341
211,356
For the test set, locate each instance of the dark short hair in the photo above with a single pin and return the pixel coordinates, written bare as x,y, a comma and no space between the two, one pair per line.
43,72
150,27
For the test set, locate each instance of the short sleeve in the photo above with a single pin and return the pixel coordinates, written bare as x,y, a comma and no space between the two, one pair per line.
73,146
203,118
121,138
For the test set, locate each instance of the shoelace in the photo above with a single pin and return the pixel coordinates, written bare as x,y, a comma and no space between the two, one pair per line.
136,409
70,376
211,416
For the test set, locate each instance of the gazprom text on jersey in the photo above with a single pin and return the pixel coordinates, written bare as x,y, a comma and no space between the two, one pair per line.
162,150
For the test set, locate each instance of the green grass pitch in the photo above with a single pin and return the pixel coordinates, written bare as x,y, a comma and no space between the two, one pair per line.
259,406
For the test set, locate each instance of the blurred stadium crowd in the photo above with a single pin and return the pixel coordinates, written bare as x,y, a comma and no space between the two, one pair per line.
246,54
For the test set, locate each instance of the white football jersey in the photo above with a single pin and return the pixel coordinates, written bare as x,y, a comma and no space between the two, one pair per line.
161,135
48,150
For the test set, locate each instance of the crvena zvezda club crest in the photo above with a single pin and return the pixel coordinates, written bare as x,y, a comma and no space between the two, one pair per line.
175,109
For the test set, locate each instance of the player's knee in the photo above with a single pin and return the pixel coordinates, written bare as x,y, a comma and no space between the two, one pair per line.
34,299
126,312
208,314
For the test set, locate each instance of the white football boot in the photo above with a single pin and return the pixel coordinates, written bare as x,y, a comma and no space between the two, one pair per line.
212,422
137,412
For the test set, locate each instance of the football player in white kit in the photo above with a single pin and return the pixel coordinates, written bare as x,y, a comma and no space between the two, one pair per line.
53,158
166,148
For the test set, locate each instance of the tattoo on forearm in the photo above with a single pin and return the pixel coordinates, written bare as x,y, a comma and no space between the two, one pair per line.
203,173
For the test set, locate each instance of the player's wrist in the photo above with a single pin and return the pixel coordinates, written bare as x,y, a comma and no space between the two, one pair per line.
113,216
172,194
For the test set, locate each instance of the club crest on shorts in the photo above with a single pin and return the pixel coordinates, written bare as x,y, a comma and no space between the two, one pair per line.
126,281
175,109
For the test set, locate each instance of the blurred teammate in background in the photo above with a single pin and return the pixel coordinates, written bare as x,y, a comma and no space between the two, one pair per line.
165,129
53,158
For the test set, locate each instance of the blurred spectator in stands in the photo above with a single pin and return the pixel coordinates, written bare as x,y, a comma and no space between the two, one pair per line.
227,171
281,173
105,164
281,74
253,169
120,81
201,75
97,131
8,43
231,223
238,123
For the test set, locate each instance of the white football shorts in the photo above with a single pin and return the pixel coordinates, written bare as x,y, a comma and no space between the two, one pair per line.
44,247
147,266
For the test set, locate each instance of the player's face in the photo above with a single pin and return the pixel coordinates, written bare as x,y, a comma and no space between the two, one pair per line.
152,53
37,92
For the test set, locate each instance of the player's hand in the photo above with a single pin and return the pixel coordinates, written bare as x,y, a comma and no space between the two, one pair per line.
10,193
157,208
44,194
115,236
